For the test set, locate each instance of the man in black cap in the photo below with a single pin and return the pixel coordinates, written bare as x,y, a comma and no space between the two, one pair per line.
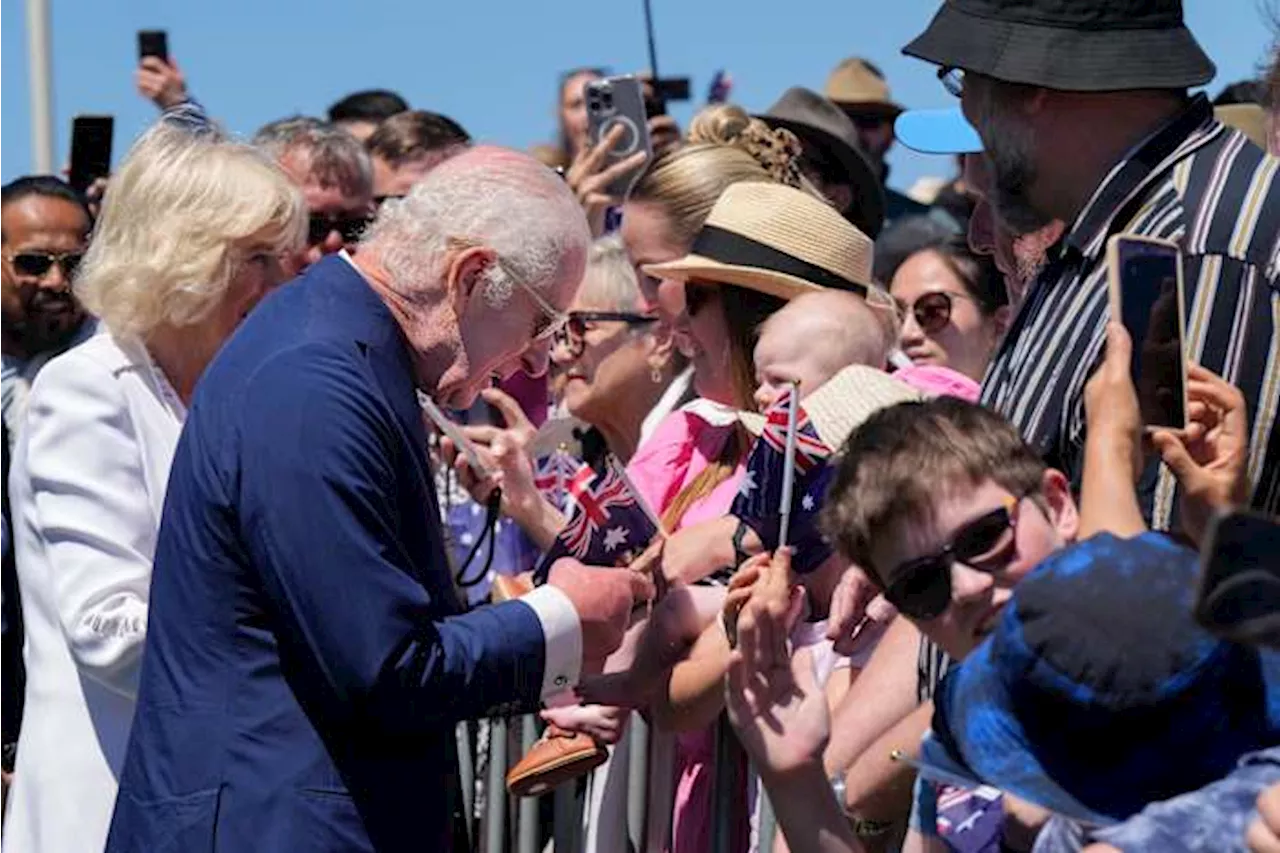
832,159
1084,117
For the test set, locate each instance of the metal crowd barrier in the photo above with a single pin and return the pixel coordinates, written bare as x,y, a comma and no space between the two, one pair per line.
506,824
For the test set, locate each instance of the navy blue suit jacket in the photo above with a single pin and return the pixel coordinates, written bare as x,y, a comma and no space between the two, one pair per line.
307,657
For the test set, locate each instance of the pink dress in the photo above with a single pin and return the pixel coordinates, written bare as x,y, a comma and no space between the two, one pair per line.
682,447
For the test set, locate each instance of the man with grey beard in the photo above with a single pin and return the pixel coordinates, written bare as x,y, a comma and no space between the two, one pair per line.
1084,117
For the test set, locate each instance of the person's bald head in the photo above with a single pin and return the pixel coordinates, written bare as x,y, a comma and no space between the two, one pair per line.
471,259
814,337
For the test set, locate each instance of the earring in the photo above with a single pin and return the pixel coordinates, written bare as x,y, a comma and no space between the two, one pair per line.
655,373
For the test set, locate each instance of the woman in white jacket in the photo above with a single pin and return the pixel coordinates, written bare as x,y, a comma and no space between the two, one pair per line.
191,234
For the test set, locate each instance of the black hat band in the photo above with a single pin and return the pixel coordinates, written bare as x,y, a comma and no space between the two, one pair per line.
728,247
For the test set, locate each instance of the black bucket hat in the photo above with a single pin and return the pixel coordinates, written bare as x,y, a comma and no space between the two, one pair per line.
1072,45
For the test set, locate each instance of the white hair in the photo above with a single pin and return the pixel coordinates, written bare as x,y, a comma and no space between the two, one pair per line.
514,206
610,280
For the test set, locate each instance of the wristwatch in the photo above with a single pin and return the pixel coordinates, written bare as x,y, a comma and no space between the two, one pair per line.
862,827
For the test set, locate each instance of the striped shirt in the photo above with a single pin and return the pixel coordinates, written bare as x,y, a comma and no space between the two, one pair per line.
1211,191
1214,193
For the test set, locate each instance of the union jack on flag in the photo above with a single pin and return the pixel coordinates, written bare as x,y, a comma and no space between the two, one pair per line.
552,474
608,523
810,451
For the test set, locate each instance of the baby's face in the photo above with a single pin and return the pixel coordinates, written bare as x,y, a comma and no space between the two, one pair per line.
784,355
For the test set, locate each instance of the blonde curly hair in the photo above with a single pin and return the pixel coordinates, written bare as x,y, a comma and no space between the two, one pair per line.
724,146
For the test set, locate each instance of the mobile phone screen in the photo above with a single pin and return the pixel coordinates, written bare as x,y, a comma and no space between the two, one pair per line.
1149,311
1240,581
90,150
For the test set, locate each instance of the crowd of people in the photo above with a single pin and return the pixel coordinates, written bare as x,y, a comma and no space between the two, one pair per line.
320,444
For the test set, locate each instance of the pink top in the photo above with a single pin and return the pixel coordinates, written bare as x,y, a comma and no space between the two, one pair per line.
939,382
679,449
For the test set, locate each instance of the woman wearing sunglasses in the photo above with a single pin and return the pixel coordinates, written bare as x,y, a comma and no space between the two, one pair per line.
190,239
953,306
611,369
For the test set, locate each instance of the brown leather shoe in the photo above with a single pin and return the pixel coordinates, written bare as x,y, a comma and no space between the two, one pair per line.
508,587
555,759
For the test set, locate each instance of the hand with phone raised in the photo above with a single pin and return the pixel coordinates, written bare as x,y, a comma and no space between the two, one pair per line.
591,176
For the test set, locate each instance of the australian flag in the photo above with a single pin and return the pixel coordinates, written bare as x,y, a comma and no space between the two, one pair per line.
759,497
609,524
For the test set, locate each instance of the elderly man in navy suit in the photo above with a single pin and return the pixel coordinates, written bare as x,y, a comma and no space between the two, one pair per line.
307,656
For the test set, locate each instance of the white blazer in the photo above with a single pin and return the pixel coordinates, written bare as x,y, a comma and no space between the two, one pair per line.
87,486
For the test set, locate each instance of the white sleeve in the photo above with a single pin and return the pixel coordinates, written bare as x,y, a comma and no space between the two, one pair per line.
95,517
562,637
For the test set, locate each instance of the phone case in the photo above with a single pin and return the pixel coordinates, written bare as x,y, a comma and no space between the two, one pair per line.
1114,294
610,102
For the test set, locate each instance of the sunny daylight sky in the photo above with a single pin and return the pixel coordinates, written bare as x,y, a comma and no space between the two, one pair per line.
490,65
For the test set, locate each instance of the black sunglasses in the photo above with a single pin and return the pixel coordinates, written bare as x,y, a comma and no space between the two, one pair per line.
932,310
350,227
922,587
38,264
571,335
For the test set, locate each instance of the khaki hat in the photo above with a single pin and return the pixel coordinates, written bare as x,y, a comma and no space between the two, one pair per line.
1249,119
845,401
777,240
858,87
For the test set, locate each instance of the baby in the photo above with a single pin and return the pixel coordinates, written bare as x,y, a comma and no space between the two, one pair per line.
807,342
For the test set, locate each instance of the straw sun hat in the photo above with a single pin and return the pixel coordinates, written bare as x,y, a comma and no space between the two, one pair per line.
776,240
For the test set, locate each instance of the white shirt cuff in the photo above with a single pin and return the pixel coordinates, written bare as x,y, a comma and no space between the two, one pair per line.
562,638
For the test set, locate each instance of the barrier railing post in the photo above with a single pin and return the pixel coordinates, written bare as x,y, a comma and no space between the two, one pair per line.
467,779
638,783
495,795
528,809
724,787
568,818
768,823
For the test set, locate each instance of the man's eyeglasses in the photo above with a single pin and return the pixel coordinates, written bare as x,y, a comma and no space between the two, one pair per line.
552,319
932,310
350,227
38,264
952,80
571,338
922,587
379,200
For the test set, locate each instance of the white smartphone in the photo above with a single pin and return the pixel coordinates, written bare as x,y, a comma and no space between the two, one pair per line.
1145,281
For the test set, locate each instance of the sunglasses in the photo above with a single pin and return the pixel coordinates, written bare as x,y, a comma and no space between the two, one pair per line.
697,295
571,338
349,226
932,310
38,264
922,587
952,80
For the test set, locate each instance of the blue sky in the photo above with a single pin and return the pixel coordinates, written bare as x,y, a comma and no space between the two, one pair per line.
490,65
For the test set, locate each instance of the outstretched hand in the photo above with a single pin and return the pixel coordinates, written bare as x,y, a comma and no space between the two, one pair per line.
590,179
161,82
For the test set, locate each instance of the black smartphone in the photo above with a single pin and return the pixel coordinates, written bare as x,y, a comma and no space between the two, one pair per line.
90,149
1145,278
613,101
1239,595
153,43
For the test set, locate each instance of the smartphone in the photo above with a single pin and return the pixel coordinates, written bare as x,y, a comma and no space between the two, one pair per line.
614,101
90,150
1145,279
1239,594
153,43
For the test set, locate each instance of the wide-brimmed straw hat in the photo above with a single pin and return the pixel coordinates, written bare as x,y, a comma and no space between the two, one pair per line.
776,240
858,87
821,125
1081,46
